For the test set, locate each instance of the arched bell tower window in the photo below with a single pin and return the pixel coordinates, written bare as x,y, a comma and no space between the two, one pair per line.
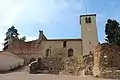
70,52
88,20
48,52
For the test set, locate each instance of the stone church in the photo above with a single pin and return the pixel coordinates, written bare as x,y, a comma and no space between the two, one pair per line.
44,47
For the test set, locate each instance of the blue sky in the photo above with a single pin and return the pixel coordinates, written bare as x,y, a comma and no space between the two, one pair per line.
57,18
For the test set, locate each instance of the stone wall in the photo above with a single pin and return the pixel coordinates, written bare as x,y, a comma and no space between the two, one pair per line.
76,45
62,65
88,62
38,48
106,58
25,50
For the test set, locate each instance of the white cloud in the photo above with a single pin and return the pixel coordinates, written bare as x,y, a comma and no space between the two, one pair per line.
17,12
48,11
7,11
42,11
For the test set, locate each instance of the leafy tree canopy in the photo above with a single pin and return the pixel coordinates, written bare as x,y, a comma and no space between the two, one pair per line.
112,31
12,32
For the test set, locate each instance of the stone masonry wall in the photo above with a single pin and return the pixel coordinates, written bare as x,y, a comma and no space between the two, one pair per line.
106,58
25,50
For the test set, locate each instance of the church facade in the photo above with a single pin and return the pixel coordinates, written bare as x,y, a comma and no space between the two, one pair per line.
81,46
72,47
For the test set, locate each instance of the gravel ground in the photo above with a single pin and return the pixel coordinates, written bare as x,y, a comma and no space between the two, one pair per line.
22,74
27,76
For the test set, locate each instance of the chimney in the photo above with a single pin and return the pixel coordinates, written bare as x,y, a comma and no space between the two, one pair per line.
40,35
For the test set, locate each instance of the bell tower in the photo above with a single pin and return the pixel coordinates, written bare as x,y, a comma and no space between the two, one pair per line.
88,32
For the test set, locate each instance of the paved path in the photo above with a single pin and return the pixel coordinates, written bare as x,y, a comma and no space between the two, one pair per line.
27,76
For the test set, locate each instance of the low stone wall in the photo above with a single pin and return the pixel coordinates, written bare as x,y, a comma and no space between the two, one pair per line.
106,58
73,66
88,62
25,50
54,64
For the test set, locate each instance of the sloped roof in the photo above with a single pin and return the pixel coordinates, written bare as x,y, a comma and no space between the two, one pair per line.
64,39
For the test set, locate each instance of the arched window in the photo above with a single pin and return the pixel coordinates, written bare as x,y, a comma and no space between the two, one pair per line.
48,52
89,20
70,52
86,20
64,44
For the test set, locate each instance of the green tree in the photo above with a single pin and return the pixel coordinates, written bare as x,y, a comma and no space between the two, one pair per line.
112,31
11,33
23,38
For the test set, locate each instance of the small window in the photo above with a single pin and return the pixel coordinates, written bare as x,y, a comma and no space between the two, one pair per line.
86,20
48,52
64,44
89,42
89,19
70,52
